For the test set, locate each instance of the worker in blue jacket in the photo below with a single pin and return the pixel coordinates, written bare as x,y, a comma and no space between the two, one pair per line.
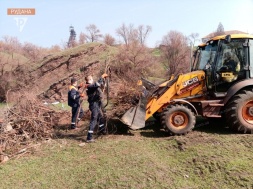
74,96
94,94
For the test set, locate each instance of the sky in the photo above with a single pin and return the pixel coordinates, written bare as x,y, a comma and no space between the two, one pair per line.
50,24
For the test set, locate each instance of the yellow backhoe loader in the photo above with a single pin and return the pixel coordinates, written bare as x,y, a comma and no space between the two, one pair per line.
220,85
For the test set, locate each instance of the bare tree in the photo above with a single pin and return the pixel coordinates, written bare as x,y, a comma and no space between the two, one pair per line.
143,33
11,44
82,38
5,66
123,33
220,30
109,40
127,33
3,63
54,49
1,46
31,51
193,38
130,34
93,33
175,53
132,62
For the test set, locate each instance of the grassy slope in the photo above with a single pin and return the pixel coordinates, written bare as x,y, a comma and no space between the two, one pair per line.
92,52
13,60
81,48
145,160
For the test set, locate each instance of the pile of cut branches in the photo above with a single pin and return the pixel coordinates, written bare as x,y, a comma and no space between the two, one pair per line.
27,121
123,98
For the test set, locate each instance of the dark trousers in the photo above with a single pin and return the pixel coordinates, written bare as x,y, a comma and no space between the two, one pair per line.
96,117
74,115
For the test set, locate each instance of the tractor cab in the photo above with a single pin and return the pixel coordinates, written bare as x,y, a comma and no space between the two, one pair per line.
232,64
225,61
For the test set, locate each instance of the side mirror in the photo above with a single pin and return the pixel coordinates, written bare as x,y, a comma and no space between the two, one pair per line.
228,39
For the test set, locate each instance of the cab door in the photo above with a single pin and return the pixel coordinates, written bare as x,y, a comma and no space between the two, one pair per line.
230,64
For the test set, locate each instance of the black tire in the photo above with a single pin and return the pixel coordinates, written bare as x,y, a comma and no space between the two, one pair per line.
157,116
219,122
239,112
178,120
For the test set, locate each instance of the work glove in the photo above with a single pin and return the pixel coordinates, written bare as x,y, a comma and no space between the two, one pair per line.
104,75
81,85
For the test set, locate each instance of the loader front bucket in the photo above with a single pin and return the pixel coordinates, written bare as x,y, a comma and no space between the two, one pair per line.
135,116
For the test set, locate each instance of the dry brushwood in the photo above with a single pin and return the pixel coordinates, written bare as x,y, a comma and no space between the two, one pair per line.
123,98
30,121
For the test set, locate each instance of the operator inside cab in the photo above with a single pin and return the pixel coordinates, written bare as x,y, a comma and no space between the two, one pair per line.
230,68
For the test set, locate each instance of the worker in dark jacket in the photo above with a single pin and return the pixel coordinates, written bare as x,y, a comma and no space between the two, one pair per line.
94,94
74,102
229,62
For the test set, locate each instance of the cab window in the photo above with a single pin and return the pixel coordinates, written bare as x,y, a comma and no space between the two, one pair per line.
207,55
251,57
232,59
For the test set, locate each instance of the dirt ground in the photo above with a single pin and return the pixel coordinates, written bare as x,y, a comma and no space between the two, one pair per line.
204,131
211,156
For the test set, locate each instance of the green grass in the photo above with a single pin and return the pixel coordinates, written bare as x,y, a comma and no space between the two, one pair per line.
64,54
79,49
64,106
13,60
2,105
156,80
156,52
60,106
145,160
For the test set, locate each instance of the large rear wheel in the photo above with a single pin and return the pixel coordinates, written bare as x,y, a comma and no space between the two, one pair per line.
178,119
239,112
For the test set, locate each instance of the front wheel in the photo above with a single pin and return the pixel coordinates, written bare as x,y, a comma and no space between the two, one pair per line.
157,116
239,112
178,119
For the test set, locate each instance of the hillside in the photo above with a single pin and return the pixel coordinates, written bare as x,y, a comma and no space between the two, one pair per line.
12,60
49,78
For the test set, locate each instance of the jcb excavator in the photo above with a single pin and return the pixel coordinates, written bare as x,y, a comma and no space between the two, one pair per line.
220,85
